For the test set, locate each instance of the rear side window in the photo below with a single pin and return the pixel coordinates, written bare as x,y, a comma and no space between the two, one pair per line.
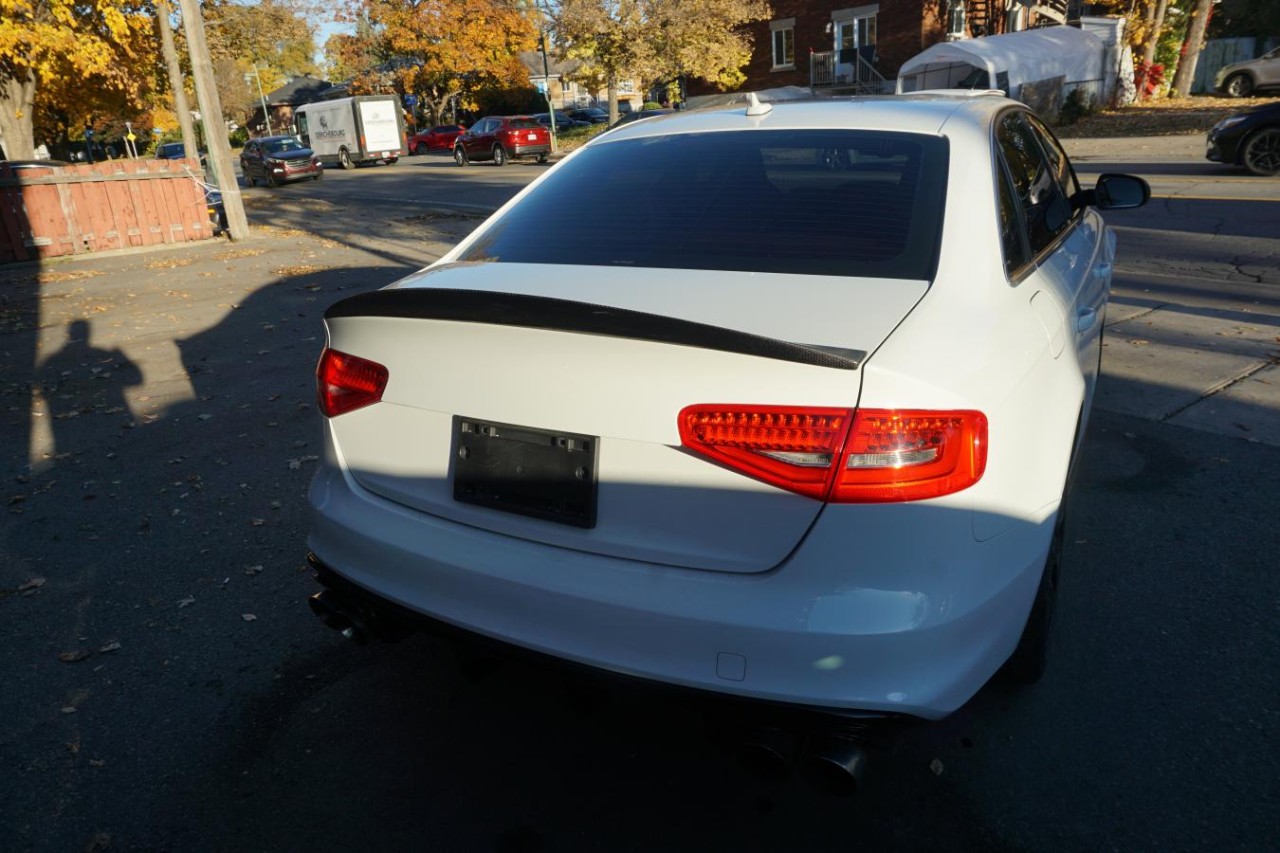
1045,208
818,202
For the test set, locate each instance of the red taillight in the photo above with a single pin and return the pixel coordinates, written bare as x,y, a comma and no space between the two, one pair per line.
909,455
844,455
792,448
347,382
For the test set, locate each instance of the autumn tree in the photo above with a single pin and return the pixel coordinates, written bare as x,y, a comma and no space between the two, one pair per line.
436,49
272,41
67,58
653,40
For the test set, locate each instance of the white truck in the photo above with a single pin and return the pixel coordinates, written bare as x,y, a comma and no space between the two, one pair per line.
353,131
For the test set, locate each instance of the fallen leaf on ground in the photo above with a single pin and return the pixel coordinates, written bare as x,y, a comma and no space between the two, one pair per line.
187,602
936,767
248,617
252,570
109,647
74,656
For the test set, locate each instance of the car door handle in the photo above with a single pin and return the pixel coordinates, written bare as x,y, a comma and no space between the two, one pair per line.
1085,318
1102,270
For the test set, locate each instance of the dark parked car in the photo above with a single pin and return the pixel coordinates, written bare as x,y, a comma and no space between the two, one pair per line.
563,122
1250,139
174,151
637,115
438,138
591,115
20,166
502,138
278,159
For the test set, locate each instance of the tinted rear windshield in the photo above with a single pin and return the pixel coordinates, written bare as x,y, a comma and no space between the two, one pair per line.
523,123
818,202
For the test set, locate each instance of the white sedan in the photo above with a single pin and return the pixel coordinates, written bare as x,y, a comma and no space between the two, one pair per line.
778,401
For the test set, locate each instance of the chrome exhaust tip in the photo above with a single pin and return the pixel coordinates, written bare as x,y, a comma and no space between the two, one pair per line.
837,765
337,615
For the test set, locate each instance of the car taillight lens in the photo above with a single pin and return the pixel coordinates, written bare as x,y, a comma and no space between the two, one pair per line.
844,455
347,382
908,455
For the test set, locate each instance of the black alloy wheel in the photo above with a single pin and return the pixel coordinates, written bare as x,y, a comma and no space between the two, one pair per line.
1262,152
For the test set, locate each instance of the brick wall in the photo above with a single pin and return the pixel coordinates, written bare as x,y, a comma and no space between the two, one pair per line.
904,28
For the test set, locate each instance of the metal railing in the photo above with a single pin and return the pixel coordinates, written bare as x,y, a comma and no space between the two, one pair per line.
825,71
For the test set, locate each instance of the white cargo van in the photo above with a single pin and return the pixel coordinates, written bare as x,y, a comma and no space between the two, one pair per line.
352,131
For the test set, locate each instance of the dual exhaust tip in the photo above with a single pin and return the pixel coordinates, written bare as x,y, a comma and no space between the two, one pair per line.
340,615
833,762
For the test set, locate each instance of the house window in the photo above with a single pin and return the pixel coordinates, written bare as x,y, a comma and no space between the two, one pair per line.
784,43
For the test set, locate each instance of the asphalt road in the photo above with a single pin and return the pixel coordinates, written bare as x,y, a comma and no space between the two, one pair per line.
161,506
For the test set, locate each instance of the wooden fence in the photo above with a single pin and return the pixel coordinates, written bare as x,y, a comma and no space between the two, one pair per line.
116,204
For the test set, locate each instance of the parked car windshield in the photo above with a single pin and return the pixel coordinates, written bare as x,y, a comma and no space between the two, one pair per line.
284,145
821,202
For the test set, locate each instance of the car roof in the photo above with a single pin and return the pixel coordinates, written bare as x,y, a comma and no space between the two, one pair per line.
919,112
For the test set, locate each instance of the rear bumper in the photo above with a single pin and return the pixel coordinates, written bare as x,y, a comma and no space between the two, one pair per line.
530,150
803,634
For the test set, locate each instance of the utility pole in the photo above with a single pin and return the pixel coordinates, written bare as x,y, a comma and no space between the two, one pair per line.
176,82
215,127
266,116
546,84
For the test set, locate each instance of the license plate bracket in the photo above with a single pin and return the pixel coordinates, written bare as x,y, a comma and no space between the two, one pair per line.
525,470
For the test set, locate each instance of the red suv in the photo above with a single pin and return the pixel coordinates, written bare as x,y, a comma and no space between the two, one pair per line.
501,138
439,138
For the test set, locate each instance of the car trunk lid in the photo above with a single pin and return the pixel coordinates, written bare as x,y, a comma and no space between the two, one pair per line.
485,357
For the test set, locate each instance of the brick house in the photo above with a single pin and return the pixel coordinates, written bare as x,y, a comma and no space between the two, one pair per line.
859,48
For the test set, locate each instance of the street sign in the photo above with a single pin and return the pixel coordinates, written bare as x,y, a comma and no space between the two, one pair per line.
410,100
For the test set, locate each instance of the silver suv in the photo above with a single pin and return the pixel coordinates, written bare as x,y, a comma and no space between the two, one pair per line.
1241,79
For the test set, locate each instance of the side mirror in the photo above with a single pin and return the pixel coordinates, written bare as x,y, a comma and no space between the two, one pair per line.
1120,192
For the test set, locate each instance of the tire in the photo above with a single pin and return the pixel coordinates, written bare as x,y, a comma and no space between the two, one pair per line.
319,175
1030,659
1261,152
542,158
391,161
249,179
1238,86
499,156
344,159
460,156
420,149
